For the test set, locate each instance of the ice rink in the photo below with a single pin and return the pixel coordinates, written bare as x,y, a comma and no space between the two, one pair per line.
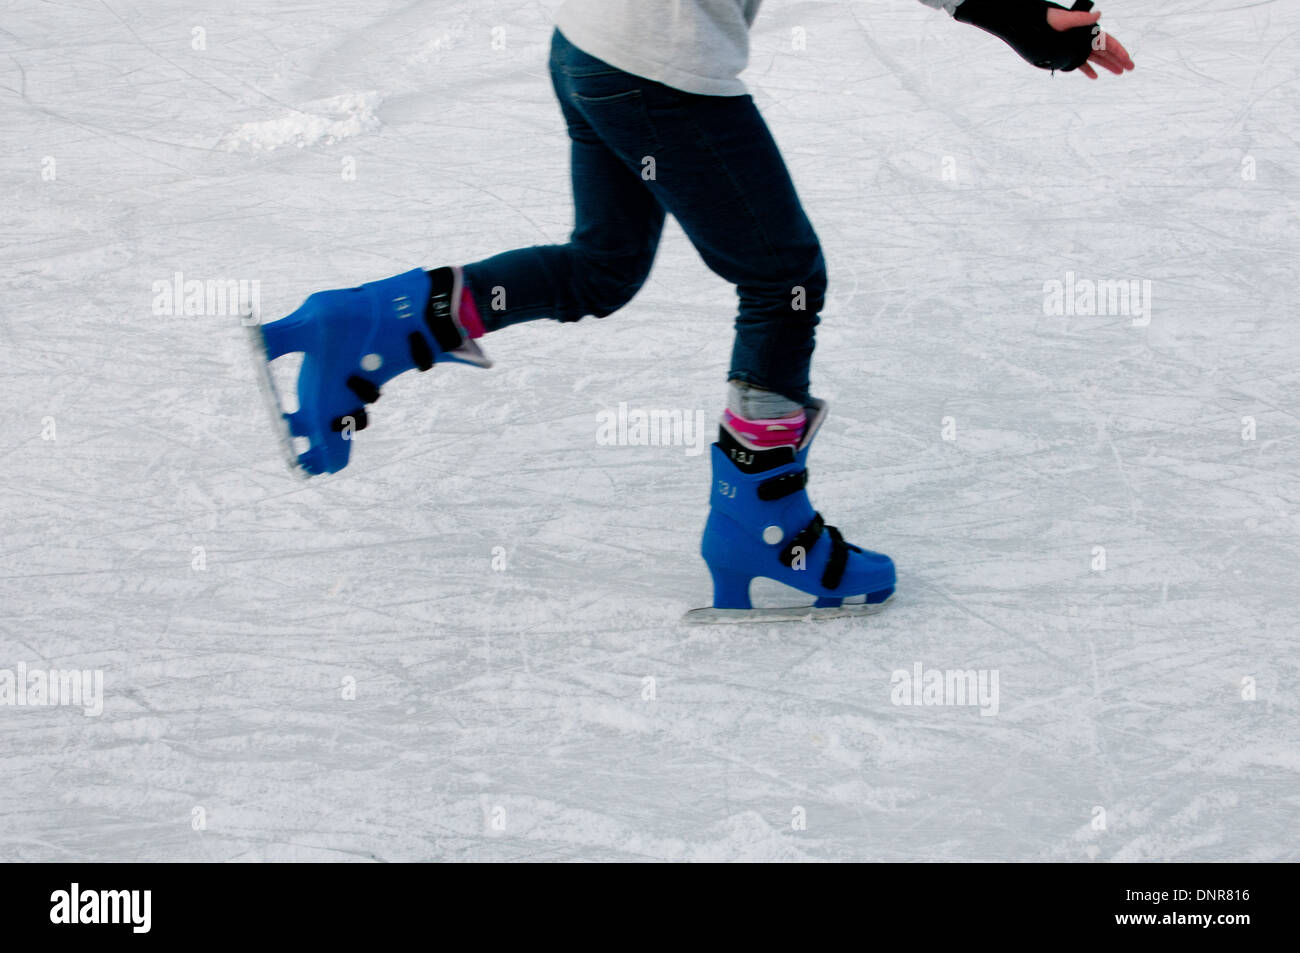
467,645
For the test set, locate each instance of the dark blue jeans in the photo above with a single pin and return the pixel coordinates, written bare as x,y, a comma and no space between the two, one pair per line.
641,149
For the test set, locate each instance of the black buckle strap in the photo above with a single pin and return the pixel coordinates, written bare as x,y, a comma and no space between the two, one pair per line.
437,313
808,536
364,389
834,573
779,487
803,540
360,421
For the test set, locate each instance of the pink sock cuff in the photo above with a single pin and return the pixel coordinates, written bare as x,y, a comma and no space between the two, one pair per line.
778,432
468,314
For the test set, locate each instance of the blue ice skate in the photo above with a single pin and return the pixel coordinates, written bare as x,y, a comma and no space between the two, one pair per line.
761,523
353,341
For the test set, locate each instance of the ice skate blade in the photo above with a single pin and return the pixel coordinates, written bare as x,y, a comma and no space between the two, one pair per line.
709,616
252,324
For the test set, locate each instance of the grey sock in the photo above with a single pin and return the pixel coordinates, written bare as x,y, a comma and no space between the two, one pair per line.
754,403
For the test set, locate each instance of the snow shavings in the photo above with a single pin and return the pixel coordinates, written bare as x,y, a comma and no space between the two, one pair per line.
321,121
435,46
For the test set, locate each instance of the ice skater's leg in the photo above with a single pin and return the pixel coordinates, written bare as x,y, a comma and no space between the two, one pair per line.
355,340
617,225
719,172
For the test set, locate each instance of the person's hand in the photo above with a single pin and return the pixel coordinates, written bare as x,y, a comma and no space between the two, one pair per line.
1107,52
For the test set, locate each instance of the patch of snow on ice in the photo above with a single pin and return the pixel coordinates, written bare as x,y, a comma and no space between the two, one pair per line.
320,121
431,48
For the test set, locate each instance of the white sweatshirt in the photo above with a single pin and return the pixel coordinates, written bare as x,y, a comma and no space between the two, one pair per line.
699,46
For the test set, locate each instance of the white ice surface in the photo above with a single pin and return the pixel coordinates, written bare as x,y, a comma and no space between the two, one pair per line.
517,695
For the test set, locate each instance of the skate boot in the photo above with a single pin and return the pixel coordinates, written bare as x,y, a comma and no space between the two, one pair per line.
353,341
761,523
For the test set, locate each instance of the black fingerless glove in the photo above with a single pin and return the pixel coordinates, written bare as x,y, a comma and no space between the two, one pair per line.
1022,24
